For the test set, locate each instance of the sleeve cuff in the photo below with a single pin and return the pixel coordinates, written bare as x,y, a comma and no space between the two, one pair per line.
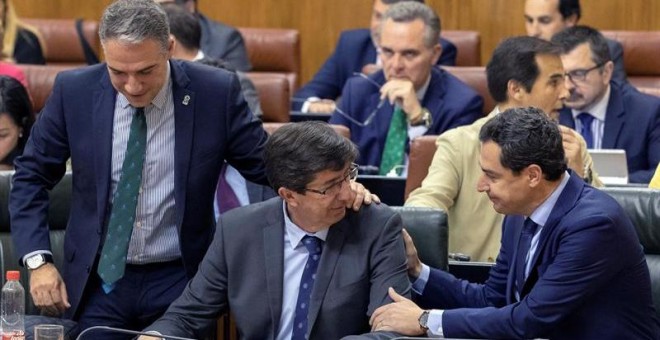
420,283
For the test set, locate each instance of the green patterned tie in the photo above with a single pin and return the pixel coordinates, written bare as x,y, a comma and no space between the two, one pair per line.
124,204
395,144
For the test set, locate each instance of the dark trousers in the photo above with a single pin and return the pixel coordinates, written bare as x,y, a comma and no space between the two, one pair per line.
139,298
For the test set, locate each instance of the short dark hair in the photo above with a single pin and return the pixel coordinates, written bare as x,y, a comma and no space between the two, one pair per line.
515,59
567,8
184,26
527,136
297,152
15,103
569,38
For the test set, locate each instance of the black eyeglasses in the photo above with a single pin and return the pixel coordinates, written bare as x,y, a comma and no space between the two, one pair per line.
581,74
335,188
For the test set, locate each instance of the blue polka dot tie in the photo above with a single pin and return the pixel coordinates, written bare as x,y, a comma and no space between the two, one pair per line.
120,226
586,120
395,143
314,247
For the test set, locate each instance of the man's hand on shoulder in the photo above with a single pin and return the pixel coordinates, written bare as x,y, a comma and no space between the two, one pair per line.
361,196
48,290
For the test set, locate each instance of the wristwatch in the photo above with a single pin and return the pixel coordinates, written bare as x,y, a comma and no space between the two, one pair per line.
35,261
426,119
423,320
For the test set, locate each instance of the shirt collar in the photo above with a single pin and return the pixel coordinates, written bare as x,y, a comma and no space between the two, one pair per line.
295,233
422,90
542,213
597,109
200,55
161,98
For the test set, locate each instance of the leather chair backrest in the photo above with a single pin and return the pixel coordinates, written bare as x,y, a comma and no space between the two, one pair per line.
475,77
40,79
429,231
340,129
468,46
640,55
420,158
274,95
273,50
643,207
62,42
58,217
654,91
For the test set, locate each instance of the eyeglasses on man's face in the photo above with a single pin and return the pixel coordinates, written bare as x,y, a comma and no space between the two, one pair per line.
334,188
580,75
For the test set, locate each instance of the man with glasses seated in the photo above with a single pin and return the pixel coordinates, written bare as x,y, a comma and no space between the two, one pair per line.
409,97
301,265
609,115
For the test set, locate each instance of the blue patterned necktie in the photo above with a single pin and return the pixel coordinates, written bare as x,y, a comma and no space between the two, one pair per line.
528,230
395,142
120,226
586,119
314,246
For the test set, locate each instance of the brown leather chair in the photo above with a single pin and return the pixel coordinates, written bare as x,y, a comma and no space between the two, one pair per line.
40,79
274,95
475,76
63,44
468,45
640,56
274,50
340,129
420,157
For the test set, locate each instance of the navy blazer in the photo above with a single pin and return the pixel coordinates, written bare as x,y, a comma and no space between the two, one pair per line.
451,102
354,50
77,122
588,279
632,123
224,42
243,272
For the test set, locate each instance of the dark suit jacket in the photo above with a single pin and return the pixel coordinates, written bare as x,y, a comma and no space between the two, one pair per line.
588,279
223,42
632,123
354,50
451,102
77,122
243,272
616,54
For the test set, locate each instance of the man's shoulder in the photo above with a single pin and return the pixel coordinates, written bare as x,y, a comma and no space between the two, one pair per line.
454,87
371,216
465,133
634,98
216,27
84,76
359,35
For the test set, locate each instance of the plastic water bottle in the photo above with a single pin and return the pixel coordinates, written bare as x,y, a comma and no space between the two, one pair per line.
13,308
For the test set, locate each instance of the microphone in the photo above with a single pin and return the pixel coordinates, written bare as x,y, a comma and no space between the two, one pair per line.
127,331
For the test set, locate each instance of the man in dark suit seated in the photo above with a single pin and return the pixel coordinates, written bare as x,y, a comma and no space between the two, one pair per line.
609,115
299,266
356,51
570,266
410,97
219,41
545,18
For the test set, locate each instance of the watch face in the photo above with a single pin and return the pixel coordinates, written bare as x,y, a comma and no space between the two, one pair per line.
34,262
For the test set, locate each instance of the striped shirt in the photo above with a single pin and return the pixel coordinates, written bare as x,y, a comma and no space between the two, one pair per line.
155,237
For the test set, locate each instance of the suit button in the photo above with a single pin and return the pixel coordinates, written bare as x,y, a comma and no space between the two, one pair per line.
88,269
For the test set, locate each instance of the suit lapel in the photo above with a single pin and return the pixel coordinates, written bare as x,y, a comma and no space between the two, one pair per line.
331,252
273,240
614,118
435,92
103,112
516,222
184,119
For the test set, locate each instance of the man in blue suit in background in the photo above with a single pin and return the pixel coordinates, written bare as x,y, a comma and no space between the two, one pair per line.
608,114
356,51
570,266
422,98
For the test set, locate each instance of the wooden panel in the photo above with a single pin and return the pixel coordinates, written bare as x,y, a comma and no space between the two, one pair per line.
321,21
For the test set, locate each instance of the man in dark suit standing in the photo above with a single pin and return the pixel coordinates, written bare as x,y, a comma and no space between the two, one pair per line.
556,275
545,18
219,41
609,115
356,51
260,267
409,92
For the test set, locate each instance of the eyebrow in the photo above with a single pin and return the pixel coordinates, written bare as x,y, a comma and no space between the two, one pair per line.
138,71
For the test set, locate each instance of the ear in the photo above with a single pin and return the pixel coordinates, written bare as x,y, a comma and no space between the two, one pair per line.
534,175
515,92
289,196
571,20
608,70
170,46
437,52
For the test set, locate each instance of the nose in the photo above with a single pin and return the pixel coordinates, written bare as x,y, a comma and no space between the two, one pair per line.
533,29
397,61
564,89
568,84
345,191
133,85
482,186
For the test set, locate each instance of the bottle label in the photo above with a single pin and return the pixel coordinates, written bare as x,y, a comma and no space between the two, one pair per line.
15,335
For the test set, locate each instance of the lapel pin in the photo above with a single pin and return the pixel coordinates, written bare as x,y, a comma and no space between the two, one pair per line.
186,100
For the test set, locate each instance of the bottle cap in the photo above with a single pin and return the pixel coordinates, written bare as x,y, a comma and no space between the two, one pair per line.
13,275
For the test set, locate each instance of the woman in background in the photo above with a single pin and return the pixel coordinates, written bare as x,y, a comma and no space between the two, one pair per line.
20,43
16,119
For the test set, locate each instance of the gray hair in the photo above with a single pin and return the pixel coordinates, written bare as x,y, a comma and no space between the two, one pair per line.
133,21
409,11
